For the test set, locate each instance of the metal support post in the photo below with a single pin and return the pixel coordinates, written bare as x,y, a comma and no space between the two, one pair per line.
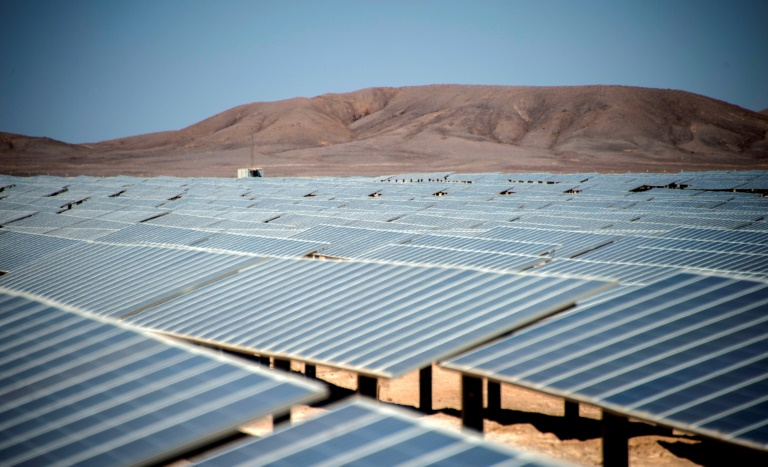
281,364
368,386
571,410
493,393
425,389
281,419
472,402
615,440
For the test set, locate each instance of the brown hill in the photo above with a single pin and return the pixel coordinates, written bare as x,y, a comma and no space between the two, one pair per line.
432,128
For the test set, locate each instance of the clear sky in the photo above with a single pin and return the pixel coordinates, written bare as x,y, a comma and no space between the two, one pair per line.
90,70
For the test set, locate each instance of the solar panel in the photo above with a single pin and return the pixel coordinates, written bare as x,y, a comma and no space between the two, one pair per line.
114,279
740,263
563,223
621,272
78,390
146,234
693,221
45,219
79,233
375,319
737,236
268,246
573,243
346,242
428,256
689,352
18,249
8,216
482,244
442,222
174,219
664,243
362,432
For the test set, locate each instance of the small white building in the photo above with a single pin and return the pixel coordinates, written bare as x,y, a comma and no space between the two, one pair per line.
252,172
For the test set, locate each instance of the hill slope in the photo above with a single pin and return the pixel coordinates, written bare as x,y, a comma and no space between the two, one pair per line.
441,128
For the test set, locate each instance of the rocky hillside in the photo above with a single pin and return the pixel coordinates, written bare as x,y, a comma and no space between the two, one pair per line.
436,128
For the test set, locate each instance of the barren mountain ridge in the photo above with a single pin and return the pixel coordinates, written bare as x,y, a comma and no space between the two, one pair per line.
456,128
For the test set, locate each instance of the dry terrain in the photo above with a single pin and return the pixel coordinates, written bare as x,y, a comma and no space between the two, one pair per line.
455,128
534,421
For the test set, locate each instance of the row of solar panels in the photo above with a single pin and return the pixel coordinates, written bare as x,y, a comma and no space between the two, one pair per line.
120,189
78,390
407,297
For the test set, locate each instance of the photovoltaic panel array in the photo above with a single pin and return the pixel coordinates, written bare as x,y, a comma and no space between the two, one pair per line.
362,432
440,230
18,249
569,243
482,245
633,252
425,256
689,352
144,234
114,280
376,319
158,235
630,274
345,242
77,390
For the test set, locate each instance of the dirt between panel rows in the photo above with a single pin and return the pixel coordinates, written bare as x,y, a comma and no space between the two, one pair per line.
531,421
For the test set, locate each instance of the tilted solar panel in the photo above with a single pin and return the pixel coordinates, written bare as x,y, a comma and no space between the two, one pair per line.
116,279
429,256
268,246
147,234
621,272
77,390
376,319
477,243
572,243
363,432
18,249
689,352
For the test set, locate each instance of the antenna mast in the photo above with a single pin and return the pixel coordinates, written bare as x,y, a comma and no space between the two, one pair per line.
251,148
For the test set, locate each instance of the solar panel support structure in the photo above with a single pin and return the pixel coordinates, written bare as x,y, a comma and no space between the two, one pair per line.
264,360
570,410
493,394
282,364
472,402
425,389
281,419
615,440
310,371
368,386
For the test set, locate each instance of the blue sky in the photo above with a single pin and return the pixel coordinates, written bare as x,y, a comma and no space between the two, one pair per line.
91,70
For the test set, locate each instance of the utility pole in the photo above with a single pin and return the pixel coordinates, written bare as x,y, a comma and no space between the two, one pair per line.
251,166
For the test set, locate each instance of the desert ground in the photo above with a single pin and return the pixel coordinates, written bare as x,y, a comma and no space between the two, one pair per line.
533,421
